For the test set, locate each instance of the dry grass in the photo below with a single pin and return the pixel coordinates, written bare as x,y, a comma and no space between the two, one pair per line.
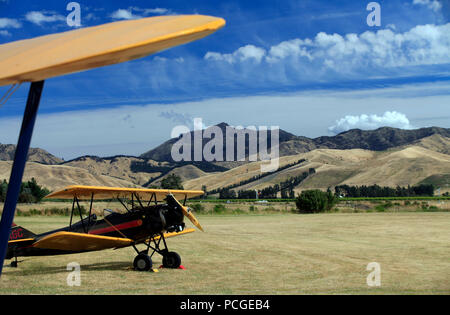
400,166
262,254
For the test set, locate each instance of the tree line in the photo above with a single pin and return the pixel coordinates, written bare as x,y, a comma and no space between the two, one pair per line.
285,187
252,179
378,191
30,191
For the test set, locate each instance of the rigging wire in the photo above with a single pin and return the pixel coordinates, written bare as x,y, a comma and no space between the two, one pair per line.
9,93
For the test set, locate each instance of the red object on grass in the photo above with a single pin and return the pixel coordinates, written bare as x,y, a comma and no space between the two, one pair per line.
181,267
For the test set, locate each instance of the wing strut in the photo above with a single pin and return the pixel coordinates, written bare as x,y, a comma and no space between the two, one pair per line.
20,158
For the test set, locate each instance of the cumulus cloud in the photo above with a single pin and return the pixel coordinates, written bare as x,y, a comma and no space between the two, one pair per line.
422,45
40,17
248,52
370,122
123,14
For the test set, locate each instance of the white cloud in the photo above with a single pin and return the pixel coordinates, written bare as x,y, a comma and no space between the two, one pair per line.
434,5
40,17
129,14
371,122
9,23
4,33
349,53
123,14
248,52
293,48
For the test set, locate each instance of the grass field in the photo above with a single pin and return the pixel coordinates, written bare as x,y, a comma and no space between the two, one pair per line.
262,254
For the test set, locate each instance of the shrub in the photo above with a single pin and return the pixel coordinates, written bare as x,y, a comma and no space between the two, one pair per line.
172,182
314,201
219,208
197,207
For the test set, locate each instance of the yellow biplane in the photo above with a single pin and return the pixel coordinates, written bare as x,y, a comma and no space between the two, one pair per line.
151,216
37,59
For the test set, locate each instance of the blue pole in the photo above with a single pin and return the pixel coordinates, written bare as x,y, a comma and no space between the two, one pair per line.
20,158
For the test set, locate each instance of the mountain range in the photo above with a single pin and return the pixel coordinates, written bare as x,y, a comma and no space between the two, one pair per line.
385,156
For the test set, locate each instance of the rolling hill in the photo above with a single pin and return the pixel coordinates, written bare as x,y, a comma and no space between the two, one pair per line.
55,177
386,156
375,140
34,155
403,167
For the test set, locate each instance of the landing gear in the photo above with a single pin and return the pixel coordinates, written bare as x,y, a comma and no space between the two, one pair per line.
14,263
171,260
143,261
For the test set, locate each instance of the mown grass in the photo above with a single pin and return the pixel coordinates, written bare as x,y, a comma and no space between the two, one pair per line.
262,254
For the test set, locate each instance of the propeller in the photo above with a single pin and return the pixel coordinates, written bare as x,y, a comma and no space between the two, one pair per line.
187,212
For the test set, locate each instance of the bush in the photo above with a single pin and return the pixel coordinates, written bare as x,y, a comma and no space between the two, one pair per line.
172,182
314,201
219,208
197,207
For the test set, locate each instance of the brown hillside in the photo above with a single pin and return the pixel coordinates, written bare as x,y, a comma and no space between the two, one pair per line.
404,166
186,173
56,177
117,167
34,155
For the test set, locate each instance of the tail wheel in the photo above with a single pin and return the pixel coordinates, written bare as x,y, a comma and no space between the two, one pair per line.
171,260
142,262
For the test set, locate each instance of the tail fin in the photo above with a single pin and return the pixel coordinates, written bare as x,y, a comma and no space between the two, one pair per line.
19,233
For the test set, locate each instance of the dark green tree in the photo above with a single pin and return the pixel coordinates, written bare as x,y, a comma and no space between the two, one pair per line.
172,182
314,201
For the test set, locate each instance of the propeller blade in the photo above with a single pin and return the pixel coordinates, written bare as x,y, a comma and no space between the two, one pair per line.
193,219
189,214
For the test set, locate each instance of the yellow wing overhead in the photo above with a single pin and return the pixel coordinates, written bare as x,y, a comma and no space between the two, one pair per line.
103,193
79,242
86,48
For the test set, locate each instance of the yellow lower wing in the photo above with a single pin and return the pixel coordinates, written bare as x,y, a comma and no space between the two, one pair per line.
173,234
21,241
79,242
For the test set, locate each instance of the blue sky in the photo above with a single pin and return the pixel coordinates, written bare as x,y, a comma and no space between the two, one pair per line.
311,67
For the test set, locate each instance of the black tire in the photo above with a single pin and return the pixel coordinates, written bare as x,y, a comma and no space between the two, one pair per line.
171,260
142,262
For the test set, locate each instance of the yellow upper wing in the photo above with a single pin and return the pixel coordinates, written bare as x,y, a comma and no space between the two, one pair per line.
86,48
85,192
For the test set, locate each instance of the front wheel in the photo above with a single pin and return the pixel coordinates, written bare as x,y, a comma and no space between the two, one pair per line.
142,262
171,260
